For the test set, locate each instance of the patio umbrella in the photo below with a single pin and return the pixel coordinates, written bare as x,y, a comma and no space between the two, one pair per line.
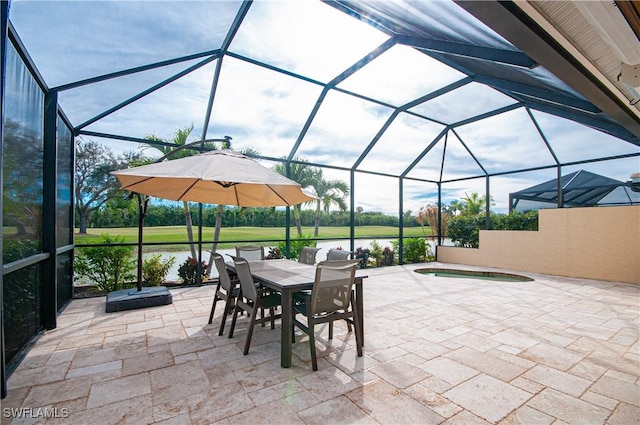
217,177
223,177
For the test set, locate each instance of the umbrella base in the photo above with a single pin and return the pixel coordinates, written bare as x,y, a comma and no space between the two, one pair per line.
127,299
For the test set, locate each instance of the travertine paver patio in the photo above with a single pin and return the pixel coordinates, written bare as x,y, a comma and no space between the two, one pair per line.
437,350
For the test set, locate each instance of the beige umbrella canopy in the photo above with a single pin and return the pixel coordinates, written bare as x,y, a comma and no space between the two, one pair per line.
221,177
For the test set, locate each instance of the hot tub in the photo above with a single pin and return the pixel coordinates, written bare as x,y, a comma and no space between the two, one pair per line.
474,274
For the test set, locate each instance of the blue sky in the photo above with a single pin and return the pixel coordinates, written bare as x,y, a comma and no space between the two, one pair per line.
265,110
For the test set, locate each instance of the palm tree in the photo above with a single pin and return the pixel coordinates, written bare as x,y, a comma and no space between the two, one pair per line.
329,193
180,138
474,204
302,172
454,207
219,211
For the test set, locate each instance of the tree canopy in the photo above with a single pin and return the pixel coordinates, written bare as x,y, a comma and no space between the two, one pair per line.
94,186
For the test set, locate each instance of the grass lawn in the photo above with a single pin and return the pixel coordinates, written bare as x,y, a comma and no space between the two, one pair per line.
175,234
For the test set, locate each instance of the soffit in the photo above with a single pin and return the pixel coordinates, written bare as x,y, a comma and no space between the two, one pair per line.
569,19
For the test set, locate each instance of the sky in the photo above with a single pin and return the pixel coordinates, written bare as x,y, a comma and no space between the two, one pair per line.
266,110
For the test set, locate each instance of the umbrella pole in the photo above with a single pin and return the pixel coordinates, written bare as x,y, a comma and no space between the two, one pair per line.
126,299
142,212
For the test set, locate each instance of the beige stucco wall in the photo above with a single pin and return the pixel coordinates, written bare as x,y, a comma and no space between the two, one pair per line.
594,243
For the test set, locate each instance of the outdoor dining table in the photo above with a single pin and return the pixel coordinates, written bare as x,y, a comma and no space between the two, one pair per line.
287,277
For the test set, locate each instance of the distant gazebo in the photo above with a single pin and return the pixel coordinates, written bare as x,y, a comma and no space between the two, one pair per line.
578,189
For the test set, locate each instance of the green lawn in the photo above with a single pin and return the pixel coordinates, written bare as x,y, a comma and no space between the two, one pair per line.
173,234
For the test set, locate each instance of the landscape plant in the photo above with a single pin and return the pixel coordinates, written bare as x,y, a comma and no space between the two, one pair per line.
296,244
274,254
188,271
329,193
429,216
301,172
20,290
17,249
414,250
108,267
388,257
362,255
376,253
515,220
464,230
155,269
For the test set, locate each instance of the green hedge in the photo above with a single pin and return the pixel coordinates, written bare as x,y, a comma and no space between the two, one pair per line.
464,230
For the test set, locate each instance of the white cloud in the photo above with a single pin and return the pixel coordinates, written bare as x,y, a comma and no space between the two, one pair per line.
400,75
456,106
304,37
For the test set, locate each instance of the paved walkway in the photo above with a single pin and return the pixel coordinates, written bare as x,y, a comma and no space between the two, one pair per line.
438,350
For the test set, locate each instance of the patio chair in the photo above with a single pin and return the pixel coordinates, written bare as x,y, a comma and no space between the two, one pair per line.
250,252
332,255
226,290
251,298
331,299
308,255
338,255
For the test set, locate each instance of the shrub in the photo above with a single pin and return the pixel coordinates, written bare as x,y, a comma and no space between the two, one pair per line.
17,249
376,253
414,250
362,255
388,257
274,254
296,245
188,271
515,220
429,215
382,257
154,269
464,230
108,267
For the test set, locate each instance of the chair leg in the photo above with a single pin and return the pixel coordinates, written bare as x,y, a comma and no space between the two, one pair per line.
227,304
331,328
232,306
213,309
348,322
272,311
215,301
358,336
356,324
252,321
312,344
233,320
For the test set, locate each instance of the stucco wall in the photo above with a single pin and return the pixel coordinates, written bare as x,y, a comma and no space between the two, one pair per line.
594,243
